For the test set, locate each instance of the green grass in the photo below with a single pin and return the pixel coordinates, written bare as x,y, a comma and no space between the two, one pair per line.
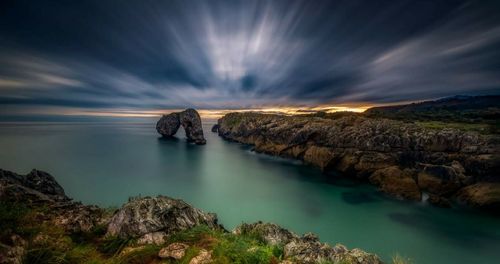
469,127
50,244
398,259
12,215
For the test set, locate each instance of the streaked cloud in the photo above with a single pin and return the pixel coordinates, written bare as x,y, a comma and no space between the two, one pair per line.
142,56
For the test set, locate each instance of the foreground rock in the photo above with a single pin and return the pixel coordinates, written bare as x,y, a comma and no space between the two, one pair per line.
148,220
39,189
153,219
403,159
306,249
190,120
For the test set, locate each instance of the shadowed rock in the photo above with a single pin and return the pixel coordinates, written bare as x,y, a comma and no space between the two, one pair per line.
168,125
190,120
40,189
403,158
161,216
306,249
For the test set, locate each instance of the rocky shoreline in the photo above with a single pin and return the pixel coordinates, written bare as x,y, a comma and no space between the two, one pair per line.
40,224
401,158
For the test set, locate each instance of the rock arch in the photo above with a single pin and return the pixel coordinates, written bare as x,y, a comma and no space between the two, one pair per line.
190,120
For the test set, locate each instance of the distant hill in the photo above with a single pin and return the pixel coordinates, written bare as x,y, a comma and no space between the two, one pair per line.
460,108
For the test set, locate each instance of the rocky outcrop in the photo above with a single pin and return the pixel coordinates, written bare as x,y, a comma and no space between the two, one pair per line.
168,125
402,158
39,188
159,216
148,220
400,183
190,120
306,249
215,128
483,195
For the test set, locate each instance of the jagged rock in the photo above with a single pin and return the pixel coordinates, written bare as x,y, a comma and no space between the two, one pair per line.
159,214
215,128
441,161
485,195
203,257
270,233
174,250
308,250
190,120
397,182
305,249
168,125
39,188
36,180
441,179
75,217
13,253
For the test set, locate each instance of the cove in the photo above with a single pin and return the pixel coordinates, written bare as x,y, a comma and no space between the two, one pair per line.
104,163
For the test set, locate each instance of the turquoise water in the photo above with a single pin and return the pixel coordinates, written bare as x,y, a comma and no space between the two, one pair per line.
105,163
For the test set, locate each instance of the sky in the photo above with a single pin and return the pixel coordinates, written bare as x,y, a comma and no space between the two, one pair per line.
143,57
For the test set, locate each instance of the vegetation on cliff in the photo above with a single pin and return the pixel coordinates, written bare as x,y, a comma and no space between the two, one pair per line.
404,158
40,224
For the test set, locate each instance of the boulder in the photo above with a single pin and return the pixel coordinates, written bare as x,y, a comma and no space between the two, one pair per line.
484,195
143,216
215,128
441,179
190,120
168,125
397,182
174,250
270,233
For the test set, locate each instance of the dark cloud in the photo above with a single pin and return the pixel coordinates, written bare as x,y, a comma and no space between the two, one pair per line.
237,54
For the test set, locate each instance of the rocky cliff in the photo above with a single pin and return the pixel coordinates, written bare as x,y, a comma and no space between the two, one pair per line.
40,224
190,120
402,158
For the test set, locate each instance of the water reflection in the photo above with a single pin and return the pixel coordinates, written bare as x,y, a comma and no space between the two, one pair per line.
460,231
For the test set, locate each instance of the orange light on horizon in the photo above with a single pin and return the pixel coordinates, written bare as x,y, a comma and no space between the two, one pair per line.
214,113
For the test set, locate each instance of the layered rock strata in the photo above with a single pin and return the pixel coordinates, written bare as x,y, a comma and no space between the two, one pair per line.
403,159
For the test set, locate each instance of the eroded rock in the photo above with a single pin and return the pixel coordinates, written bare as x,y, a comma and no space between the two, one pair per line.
157,214
190,120
397,182
174,250
268,232
441,162
168,125
306,249
485,195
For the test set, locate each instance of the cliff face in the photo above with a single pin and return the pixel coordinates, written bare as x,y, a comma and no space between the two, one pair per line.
403,159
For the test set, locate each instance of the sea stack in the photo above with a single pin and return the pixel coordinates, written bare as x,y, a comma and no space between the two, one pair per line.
190,120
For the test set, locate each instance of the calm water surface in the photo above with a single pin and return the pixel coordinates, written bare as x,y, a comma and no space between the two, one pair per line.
105,163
